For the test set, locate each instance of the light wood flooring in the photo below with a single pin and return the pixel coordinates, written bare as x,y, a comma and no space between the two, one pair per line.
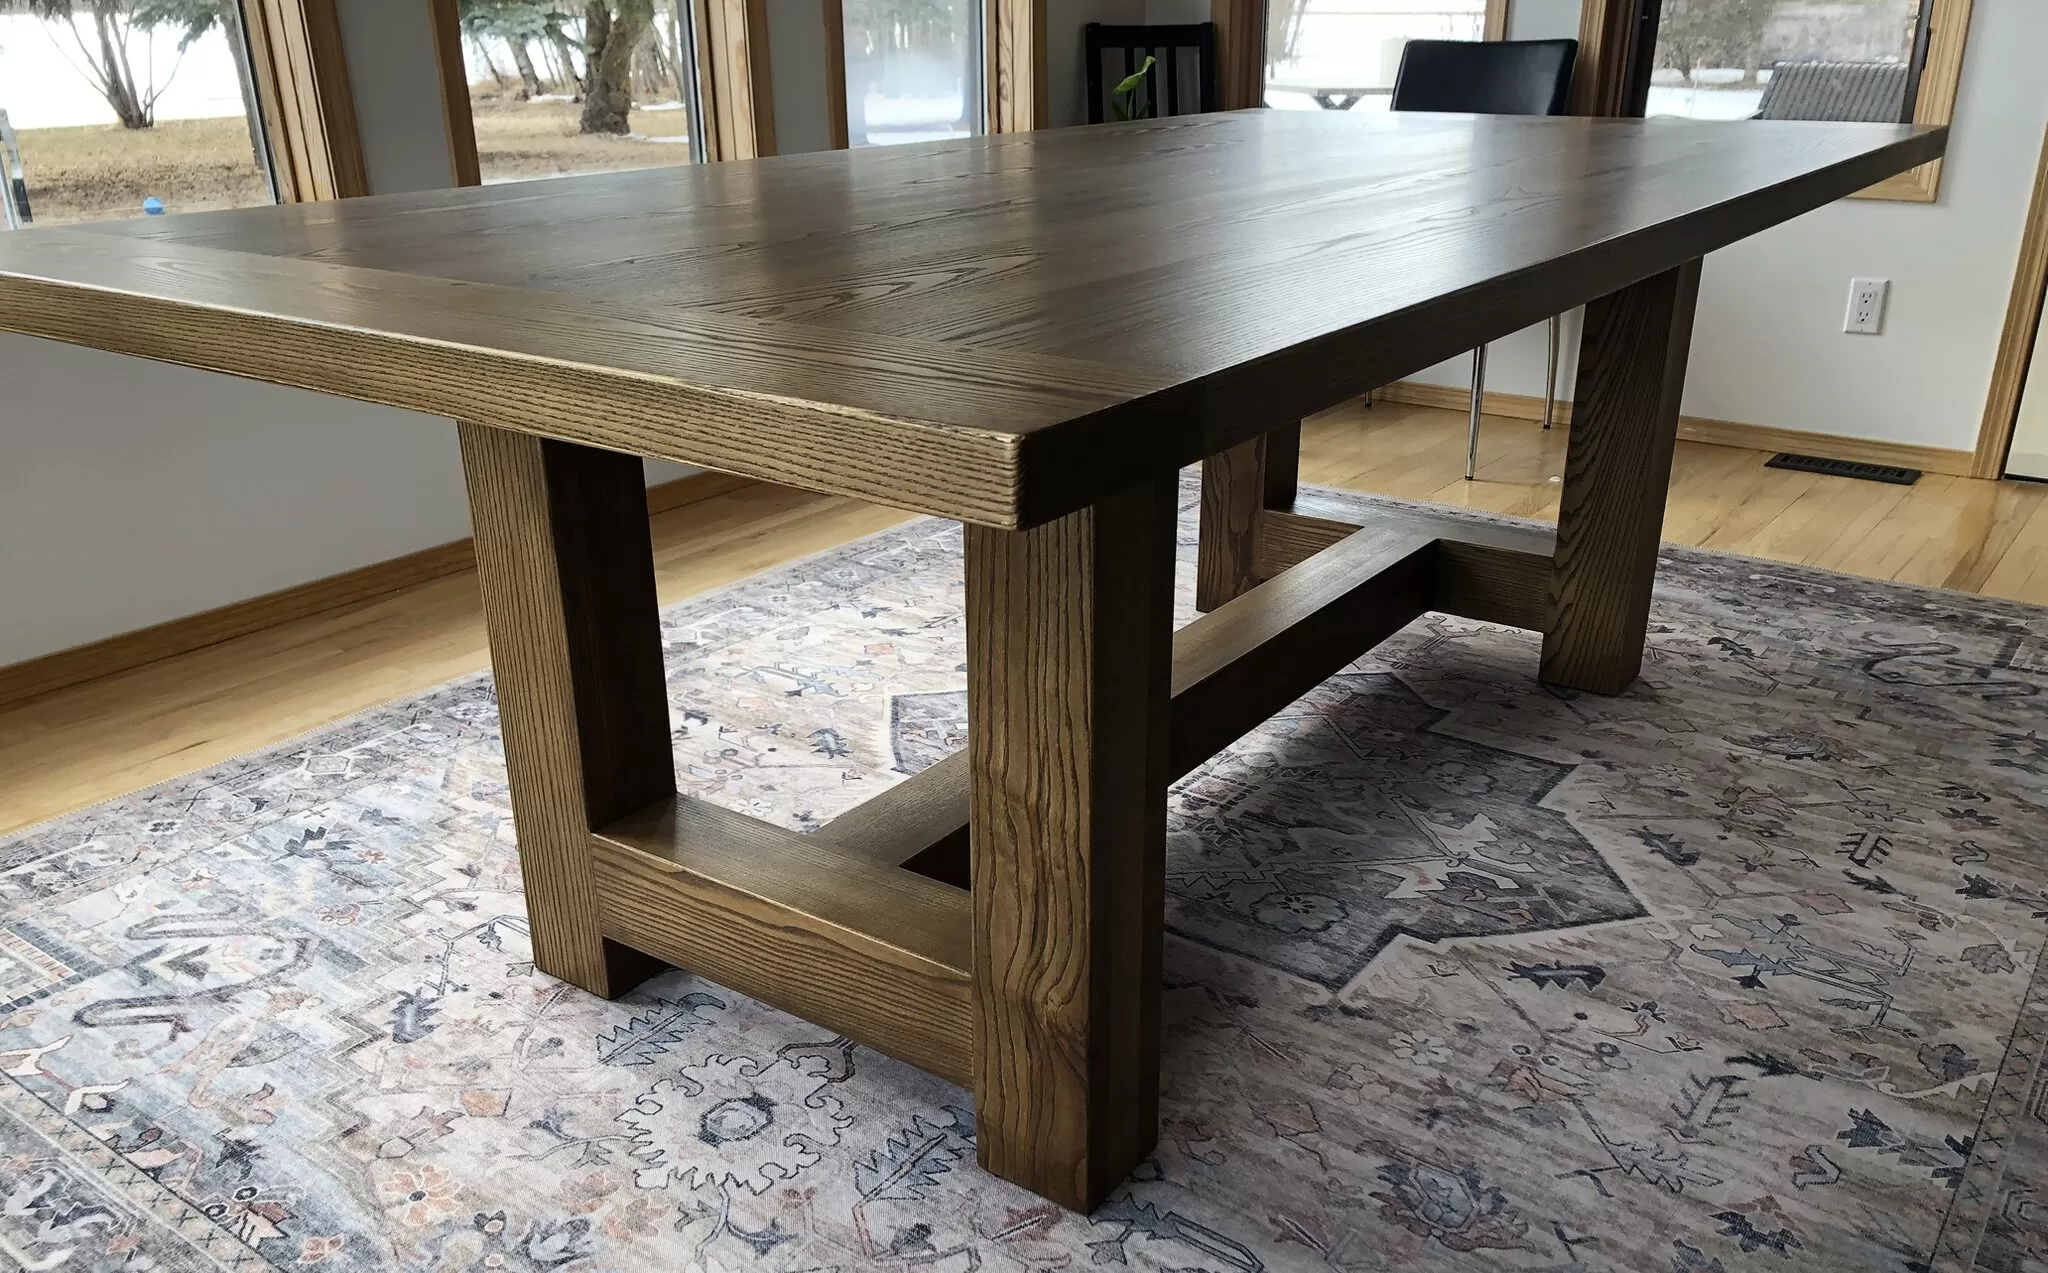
94,741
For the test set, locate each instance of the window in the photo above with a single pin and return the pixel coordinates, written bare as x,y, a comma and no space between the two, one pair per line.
562,88
1342,54
1789,59
913,70
126,108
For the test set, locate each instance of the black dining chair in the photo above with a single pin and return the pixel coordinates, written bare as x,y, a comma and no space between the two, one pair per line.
1493,77
1182,80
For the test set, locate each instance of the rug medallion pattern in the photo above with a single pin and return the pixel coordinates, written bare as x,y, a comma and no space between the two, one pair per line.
1734,972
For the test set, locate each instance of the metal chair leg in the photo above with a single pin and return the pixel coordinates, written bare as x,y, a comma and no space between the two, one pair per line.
1550,372
1478,401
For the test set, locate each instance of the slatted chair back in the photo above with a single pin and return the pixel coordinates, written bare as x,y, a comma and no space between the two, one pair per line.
1843,92
1183,76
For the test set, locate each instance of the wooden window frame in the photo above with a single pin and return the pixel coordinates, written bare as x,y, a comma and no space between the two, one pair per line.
736,92
1607,36
302,92
2016,342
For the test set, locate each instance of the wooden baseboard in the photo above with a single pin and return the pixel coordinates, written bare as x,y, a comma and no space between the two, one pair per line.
128,650
1755,437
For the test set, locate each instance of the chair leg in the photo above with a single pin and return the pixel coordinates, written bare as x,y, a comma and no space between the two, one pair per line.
1550,372
1478,401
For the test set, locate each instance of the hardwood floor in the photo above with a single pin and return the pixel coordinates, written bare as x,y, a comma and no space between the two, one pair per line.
94,741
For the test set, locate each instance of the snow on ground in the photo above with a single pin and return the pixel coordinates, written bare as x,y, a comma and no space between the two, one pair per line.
43,84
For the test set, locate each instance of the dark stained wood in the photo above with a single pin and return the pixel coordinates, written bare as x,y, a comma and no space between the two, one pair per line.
1022,323
1495,573
1233,494
566,565
1617,471
1237,485
1283,465
878,954
1232,669
1493,584
920,824
1069,632
1235,667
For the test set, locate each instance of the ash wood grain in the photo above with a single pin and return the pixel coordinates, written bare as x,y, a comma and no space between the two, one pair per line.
1069,631
1181,285
1234,668
567,572
1237,486
878,954
1233,495
1618,468
919,824
1015,75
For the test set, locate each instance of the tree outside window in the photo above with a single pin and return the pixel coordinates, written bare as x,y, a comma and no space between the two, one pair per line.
560,88
128,107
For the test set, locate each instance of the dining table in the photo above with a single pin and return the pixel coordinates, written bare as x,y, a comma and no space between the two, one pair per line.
1030,334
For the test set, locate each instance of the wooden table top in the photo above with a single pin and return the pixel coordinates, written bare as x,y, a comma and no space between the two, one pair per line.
997,330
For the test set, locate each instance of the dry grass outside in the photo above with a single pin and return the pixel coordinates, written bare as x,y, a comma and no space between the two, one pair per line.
101,171
519,140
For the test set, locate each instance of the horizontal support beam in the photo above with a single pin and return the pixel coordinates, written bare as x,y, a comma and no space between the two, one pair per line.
1232,669
1236,666
1486,571
878,954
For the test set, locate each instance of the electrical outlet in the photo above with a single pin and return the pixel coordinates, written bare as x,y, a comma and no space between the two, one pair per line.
1866,306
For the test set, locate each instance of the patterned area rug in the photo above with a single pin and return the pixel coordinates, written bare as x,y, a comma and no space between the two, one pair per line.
1736,972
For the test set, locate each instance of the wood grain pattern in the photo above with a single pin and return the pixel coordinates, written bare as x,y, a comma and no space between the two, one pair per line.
733,74
1233,495
1015,75
308,109
878,954
1069,632
1237,666
1631,373
567,571
1024,323
1240,53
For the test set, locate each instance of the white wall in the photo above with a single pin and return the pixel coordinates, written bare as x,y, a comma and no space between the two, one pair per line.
135,492
796,71
1768,346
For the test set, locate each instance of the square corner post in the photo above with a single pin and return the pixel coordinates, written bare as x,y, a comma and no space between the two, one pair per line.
566,564
1069,667
1617,473
1238,485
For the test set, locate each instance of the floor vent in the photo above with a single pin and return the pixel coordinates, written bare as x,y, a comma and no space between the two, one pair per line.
1844,468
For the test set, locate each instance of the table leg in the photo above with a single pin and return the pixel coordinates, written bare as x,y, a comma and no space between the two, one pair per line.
1617,473
1236,485
567,569
1069,659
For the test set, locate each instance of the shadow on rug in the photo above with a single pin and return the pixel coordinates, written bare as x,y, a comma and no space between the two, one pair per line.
1733,972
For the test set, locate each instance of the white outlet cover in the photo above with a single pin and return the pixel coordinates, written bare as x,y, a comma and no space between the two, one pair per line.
1867,297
